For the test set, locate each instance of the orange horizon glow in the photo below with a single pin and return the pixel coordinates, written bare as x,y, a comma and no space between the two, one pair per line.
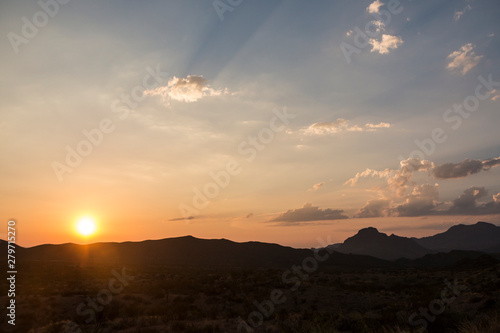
123,228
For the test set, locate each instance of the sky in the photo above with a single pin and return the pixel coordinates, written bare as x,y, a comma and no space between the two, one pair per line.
276,121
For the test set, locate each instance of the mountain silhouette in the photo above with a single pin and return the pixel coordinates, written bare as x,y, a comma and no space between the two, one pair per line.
369,248
193,252
370,241
481,236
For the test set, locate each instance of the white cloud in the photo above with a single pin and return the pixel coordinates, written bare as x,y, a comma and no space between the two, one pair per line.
383,43
464,59
458,14
380,26
333,127
370,173
341,125
189,89
495,95
374,7
387,43
316,186
397,180
379,125
395,199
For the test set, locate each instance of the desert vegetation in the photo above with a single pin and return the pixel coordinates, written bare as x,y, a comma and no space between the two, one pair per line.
180,299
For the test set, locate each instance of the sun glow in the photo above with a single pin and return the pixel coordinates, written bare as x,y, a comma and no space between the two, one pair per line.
86,226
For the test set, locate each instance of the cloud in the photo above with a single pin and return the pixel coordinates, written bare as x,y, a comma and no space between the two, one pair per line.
373,208
374,7
397,180
309,213
387,43
464,59
341,125
457,170
383,42
422,201
189,89
333,127
468,199
465,168
491,163
369,173
458,14
375,126
316,186
467,203
495,95
184,218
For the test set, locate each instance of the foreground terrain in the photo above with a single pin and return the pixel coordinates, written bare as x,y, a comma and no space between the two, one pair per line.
61,297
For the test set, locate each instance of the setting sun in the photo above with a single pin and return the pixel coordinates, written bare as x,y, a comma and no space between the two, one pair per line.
86,226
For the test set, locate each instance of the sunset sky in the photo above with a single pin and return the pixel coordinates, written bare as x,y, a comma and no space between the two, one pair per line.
276,121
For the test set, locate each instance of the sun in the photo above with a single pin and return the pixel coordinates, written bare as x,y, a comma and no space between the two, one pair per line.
86,226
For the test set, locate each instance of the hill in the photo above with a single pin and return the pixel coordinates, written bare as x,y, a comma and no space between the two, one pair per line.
370,241
481,236
193,252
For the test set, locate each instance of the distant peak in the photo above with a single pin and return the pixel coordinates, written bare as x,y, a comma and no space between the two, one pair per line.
484,223
478,224
369,230
366,234
186,237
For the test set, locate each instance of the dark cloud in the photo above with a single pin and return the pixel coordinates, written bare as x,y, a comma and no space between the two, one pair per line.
457,170
184,218
463,169
373,208
422,201
469,197
309,213
467,203
492,162
399,180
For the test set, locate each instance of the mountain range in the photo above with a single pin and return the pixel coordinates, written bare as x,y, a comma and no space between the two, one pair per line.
460,245
482,236
370,241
